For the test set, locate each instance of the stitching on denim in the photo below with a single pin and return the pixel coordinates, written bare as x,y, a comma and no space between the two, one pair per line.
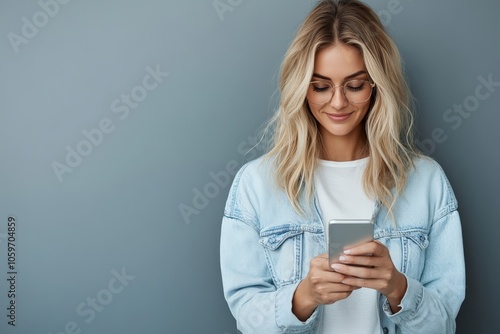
304,329
235,185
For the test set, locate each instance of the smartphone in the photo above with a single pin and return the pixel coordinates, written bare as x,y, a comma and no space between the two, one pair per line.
347,233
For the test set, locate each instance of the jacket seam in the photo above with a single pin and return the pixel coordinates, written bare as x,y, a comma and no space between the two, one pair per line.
284,328
231,211
244,221
236,183
451,201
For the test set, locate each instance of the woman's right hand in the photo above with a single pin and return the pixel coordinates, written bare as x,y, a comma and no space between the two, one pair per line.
320,286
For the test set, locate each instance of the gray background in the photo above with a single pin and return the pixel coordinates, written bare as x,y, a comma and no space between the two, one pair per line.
119,208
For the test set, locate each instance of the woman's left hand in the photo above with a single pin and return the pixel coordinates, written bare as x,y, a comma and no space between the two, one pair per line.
377,272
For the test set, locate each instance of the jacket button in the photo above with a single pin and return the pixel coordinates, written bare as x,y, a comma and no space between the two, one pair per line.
386,331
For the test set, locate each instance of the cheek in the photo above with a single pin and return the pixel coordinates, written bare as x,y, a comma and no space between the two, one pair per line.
314,110
363,110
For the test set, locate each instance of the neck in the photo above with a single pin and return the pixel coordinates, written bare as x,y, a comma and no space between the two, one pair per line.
345,148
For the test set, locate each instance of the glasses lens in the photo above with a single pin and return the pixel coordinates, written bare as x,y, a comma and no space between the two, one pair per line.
319,92
356,91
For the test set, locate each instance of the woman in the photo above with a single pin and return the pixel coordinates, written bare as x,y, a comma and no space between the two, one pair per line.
342,148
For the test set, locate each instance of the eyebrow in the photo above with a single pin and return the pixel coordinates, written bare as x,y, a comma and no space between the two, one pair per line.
347,77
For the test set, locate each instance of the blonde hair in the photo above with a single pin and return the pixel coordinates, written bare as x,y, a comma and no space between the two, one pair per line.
295,143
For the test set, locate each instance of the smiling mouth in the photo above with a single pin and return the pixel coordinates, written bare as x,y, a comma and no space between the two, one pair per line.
338,117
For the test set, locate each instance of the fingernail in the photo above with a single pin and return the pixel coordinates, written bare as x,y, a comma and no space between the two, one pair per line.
343,258
347,251
336,266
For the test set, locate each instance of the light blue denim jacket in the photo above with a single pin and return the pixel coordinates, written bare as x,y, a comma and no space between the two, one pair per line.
266,248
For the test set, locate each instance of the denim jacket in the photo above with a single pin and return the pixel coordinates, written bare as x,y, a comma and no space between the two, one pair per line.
266,248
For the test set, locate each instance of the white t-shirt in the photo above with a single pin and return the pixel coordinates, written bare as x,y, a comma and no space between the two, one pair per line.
340,194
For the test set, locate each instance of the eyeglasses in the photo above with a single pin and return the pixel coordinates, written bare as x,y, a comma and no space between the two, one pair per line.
355,91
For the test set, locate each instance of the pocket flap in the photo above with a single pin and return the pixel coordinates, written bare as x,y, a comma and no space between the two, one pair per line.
420,238
272,237
418,235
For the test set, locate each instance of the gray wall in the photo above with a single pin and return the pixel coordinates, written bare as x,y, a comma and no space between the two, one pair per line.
100,157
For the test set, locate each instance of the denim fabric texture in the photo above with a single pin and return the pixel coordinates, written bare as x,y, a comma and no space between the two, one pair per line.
266,248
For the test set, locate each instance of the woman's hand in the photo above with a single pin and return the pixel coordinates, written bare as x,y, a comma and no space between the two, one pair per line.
320,286
378,271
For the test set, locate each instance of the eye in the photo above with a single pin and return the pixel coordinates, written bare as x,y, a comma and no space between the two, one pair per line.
355,85
320,87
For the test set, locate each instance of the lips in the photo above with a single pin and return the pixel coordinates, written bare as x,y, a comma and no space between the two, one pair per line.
338,117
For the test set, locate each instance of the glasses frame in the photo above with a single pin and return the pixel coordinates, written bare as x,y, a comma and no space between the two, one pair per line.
372,85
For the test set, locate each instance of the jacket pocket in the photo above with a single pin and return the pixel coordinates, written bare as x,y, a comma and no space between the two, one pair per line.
284,248
407,248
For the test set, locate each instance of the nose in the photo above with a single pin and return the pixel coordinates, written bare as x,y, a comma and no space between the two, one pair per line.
338,100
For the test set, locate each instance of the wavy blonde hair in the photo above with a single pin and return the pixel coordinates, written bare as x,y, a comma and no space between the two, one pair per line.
296,142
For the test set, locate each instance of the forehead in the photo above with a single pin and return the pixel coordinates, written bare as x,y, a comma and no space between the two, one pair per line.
338,61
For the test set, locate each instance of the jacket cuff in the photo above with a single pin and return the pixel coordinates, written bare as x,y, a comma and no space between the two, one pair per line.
285,319
409,304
